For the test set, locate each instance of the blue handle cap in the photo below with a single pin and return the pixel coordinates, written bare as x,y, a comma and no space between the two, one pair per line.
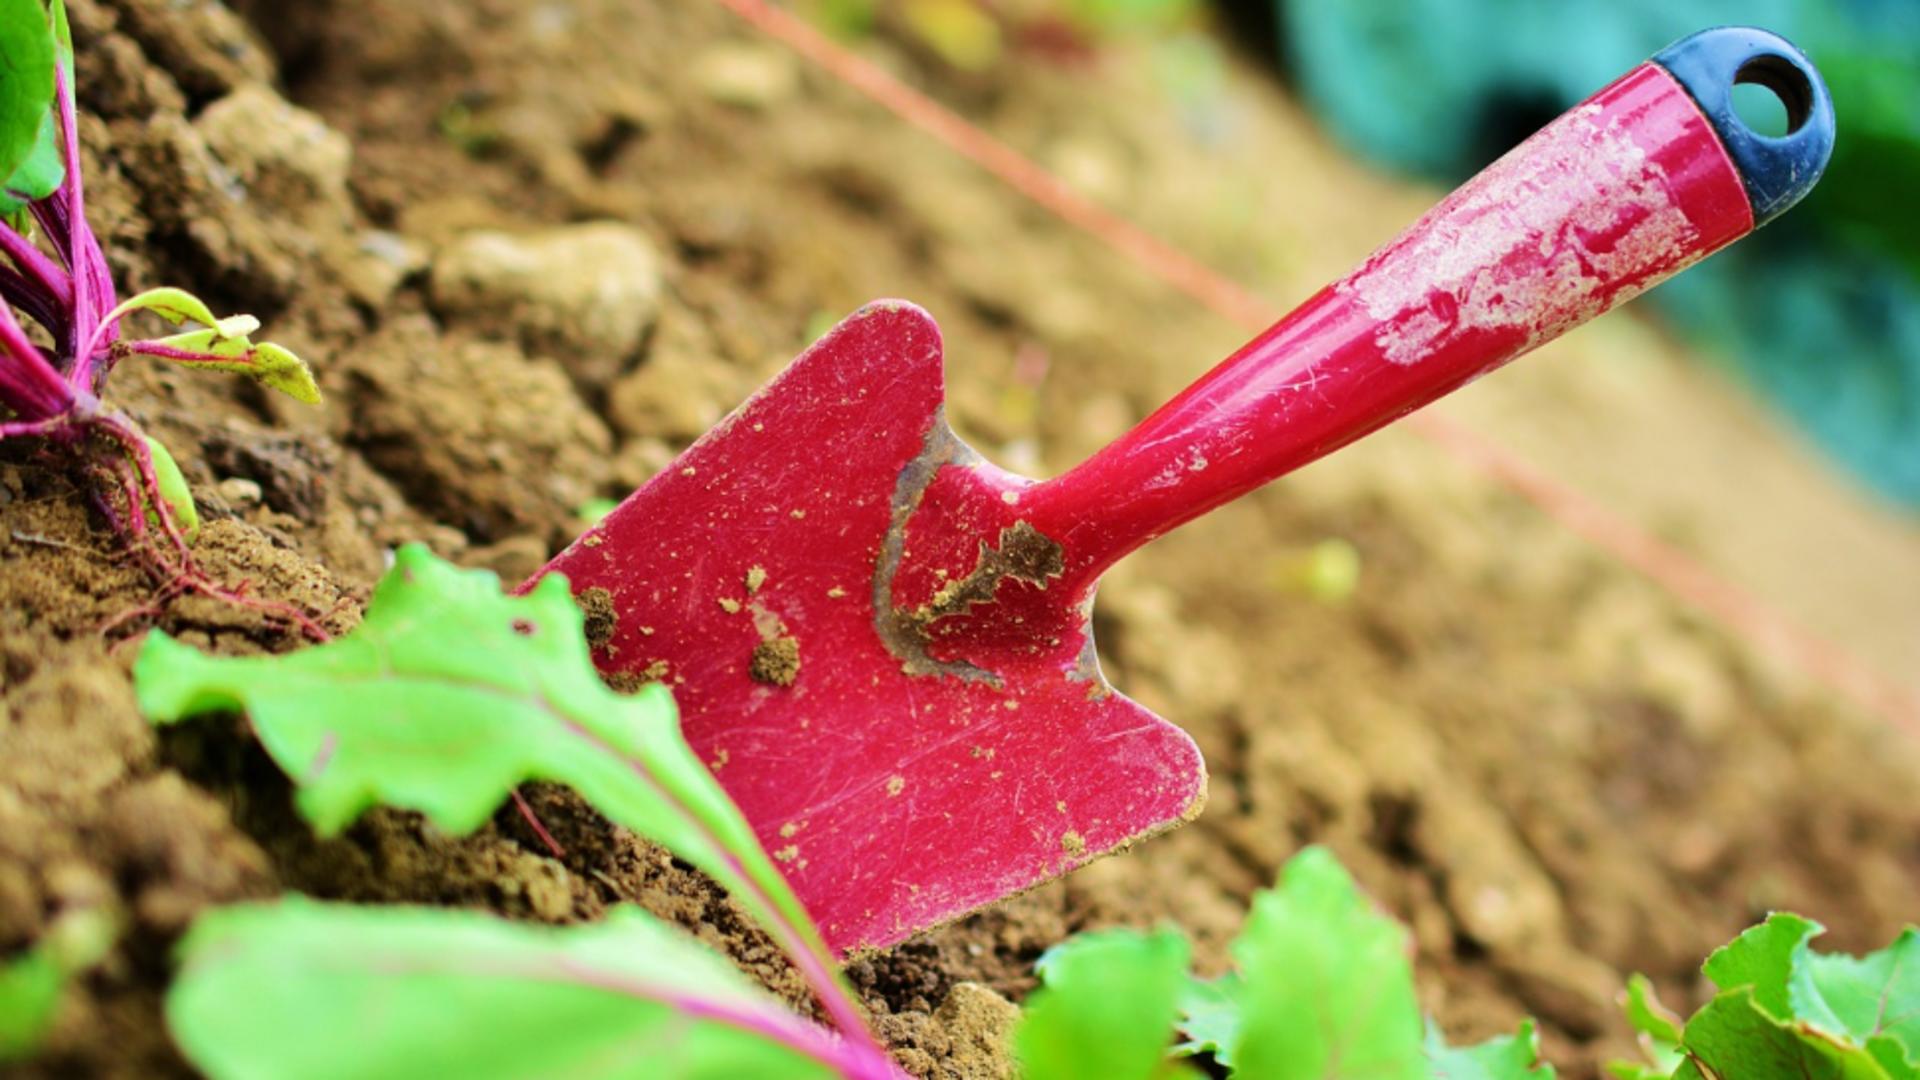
1778,171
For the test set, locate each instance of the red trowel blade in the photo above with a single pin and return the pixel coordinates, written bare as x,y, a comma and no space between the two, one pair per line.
904,761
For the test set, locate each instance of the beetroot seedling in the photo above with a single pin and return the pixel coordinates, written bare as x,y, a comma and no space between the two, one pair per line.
299,989
52,384
449,695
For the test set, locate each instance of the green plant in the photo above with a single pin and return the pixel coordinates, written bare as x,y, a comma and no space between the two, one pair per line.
450,694
31,985
1323,991
1785,1011
268,990
53,392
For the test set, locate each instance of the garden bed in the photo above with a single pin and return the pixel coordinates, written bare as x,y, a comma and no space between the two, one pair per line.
1545,766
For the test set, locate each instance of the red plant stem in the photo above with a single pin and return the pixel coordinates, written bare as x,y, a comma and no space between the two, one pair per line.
539,828
30,386
183,356
808,955
92,284
36,267
27,295
33,428
1679,573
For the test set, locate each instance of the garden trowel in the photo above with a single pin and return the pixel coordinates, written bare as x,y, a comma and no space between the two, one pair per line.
880,642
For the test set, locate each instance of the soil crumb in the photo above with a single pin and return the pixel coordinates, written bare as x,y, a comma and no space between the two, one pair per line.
597,603
756,577
776,661
1024,553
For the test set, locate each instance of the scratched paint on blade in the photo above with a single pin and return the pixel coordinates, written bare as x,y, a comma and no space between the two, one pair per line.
1573,220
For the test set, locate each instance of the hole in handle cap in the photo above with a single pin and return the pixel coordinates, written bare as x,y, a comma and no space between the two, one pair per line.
1777,170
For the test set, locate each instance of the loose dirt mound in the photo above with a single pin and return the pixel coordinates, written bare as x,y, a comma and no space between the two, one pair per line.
1552,773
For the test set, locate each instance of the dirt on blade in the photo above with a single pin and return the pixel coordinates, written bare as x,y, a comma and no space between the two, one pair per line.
1551,771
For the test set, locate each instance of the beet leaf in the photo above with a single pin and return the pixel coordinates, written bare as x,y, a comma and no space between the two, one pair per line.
1325,991
1505,1057
26,80
1106,1008
31,984
1785,1012
449,695
297,988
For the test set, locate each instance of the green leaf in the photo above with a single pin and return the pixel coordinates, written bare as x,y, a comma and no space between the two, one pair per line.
1762,958
26,79
176,306
1735,1037
173,490
1328,989
1210,1018
448,696
1628,1070
223,344
1505,1057
30,986
1659,1030
62,35
299,989
1647,1015
29,994
39,175
1106,1010
593,510
1864,998
273,367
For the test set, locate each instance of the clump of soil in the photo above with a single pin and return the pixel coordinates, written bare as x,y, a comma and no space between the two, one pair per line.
776,661
1541,763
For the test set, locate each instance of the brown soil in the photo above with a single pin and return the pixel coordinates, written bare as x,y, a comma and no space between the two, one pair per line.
1553,773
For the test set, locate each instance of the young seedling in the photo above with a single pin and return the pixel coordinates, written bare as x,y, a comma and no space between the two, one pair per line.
449,695
1785,1012
31,985
269,989
55,274
1323,990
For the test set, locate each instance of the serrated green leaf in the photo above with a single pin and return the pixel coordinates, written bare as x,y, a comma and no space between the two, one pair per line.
448,696
173,490
1210,1018
1762,958
26,79
29,995
1864,998
1106,1009
298,989
1734,1036
1505,1057
1328,989
1647,1015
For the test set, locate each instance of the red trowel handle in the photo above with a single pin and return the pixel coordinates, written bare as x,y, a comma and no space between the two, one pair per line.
1641,180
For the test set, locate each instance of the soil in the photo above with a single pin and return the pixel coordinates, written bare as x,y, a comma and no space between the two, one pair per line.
1551,771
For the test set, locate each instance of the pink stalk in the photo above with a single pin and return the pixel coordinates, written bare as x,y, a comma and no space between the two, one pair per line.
183,356
806,951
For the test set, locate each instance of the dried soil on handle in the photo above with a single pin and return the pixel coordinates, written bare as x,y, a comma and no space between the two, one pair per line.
1549,770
